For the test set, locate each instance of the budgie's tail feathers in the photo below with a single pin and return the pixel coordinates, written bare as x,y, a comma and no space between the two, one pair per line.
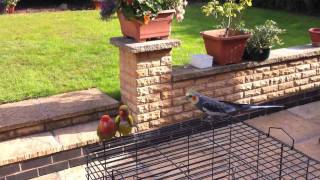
251,107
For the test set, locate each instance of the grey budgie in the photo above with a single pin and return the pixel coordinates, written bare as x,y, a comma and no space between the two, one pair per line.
213,107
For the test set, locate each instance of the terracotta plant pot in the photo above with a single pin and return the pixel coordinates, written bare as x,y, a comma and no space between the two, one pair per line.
315,36
97,5
11,9
257,54
159,28
225,50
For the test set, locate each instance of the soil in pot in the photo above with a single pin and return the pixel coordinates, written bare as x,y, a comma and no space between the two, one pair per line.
257,54
315,36
225,50
159,28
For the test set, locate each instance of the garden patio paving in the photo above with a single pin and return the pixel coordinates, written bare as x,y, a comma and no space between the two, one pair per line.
302,123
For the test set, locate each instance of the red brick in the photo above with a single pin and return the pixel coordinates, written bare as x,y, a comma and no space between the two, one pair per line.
315,78
183,116
243,87
303,67
275,94
310,73
291,90
262,69
307,86
183,84
53,168
234,97
223,91
217,84
171,111
258,99
251,93
224,76
279,66
286,85
236,81
301,82
269,89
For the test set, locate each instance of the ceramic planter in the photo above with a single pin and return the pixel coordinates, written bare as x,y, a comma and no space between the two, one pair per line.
97,5
159,28
315,36
225,50
257,54
11,9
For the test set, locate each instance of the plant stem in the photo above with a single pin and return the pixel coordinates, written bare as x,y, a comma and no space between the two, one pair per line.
228,27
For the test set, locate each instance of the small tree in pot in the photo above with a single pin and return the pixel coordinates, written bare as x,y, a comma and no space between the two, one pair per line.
226,45
263,38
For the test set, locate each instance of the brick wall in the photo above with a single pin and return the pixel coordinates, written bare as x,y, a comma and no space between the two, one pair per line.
253,85
155,91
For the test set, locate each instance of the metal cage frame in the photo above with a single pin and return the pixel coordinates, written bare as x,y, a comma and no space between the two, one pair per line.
200,149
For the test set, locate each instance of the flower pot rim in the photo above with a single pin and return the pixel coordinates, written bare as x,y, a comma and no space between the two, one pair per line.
314,30
169,11
216,34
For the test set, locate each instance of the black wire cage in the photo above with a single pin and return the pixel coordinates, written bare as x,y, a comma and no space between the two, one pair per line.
200,149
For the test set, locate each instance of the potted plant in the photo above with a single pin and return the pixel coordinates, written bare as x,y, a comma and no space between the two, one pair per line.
147,19
10,5
315,36
263,38
226,45
97,4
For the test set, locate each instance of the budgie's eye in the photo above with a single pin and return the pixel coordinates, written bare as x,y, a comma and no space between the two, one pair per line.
194,98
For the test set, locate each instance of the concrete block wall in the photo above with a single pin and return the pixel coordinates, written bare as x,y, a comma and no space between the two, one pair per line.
155,91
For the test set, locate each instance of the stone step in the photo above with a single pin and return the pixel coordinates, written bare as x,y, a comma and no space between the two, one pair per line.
49,113
46,153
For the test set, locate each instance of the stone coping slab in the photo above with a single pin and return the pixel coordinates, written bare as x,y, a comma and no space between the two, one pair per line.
276,56
148,46
46,110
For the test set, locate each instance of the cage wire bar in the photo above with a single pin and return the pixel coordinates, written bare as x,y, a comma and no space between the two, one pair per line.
200,149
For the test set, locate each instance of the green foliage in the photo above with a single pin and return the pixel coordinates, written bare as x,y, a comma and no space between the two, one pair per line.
228,13
265,36
11,2
142,10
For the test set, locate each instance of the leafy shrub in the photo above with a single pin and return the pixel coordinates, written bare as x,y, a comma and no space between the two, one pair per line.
265,36
142,10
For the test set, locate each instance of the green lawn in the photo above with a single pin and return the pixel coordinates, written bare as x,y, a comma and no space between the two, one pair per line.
43,54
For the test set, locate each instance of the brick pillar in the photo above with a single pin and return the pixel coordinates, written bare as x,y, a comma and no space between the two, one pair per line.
145,79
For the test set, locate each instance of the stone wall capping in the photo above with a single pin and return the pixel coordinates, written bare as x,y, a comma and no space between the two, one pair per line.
181,73
148,46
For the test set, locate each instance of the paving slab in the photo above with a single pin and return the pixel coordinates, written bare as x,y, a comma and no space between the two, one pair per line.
302,123
78,135
76,173
308,111
311,147
299,128
28,147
